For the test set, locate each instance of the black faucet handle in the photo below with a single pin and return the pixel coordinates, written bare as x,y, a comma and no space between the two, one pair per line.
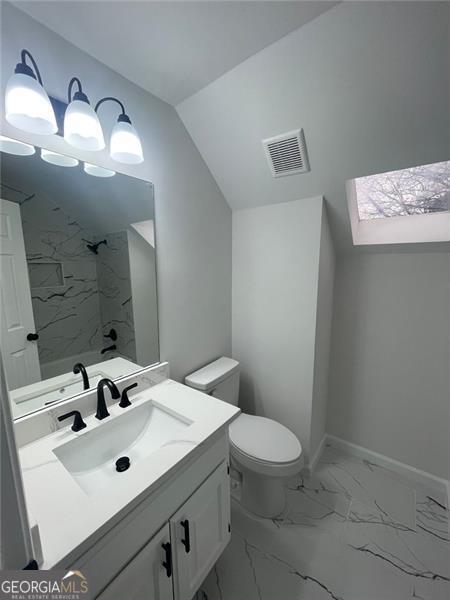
125,401
78,423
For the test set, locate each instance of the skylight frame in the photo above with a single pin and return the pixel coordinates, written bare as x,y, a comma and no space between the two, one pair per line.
405,229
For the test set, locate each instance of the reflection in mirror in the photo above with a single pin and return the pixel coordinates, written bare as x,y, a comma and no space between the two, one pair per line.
77,276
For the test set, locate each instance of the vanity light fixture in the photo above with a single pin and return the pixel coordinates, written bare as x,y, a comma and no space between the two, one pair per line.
27,105
125,145
82,128
60,160
11,146
97,171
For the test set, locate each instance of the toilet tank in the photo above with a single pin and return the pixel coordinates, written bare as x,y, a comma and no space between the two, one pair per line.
219,379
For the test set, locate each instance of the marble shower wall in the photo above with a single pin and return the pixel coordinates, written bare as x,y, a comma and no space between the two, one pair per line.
114,285
63,276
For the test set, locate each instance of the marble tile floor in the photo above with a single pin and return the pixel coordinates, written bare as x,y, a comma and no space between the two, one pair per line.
353,531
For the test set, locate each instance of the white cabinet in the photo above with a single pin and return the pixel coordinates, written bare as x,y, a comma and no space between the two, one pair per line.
146,577
200,531
176,560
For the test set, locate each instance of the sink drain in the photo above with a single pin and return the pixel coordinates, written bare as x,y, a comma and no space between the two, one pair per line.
122,463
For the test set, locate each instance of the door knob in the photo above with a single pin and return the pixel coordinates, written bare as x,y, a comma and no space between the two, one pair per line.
32,337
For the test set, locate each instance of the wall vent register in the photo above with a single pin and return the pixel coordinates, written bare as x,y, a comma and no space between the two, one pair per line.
286,153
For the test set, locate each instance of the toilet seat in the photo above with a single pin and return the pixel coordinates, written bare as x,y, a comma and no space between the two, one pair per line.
265,446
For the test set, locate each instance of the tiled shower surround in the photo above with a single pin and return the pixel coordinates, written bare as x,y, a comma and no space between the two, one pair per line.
352,531
77,295
114,286
66,309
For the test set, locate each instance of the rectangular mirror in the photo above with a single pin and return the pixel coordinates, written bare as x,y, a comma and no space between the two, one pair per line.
77,275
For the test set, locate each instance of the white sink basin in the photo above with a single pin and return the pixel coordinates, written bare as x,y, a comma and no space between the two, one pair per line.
90,458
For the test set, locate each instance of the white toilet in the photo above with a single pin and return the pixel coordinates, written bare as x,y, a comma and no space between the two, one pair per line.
263,452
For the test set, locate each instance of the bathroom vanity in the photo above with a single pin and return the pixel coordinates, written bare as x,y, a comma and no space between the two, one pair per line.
153,530
137,500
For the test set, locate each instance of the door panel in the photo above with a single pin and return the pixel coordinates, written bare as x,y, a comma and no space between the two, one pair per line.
145,577
16,311
200,533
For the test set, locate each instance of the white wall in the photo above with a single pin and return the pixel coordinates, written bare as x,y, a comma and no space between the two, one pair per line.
324,315
368,82
145,311
389,381
275,284
193,220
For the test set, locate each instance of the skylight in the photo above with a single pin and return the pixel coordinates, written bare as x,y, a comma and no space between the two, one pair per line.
415,191
409,206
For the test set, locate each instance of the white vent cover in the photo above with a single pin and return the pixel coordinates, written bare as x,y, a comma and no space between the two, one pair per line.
286,153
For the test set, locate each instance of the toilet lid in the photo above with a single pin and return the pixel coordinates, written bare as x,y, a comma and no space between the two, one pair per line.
264,439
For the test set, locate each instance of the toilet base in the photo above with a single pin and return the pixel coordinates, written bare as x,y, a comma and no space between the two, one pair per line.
261,495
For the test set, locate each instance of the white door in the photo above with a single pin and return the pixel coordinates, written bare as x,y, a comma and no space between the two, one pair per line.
200,531
20,355
148,576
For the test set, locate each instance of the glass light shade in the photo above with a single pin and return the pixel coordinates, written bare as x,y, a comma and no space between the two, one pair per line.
97,171
15,147
125,144
58,159
82,128
27,105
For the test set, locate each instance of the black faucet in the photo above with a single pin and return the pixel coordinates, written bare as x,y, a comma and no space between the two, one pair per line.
102,411
80,368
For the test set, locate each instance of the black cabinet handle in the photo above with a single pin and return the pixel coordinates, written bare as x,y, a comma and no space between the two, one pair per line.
32,337
167,564
187,538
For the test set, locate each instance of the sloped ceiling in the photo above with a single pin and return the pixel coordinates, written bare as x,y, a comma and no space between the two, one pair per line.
368,82
172,49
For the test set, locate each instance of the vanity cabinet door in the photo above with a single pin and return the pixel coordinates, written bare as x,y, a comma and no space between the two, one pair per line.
146,577
200,531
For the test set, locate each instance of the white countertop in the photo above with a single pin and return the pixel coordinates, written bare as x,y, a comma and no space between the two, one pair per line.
66,515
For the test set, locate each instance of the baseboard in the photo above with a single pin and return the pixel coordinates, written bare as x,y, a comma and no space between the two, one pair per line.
417,475
318,453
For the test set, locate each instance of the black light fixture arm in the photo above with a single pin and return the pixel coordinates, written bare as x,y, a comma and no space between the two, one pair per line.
79,95
25,69
123,116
